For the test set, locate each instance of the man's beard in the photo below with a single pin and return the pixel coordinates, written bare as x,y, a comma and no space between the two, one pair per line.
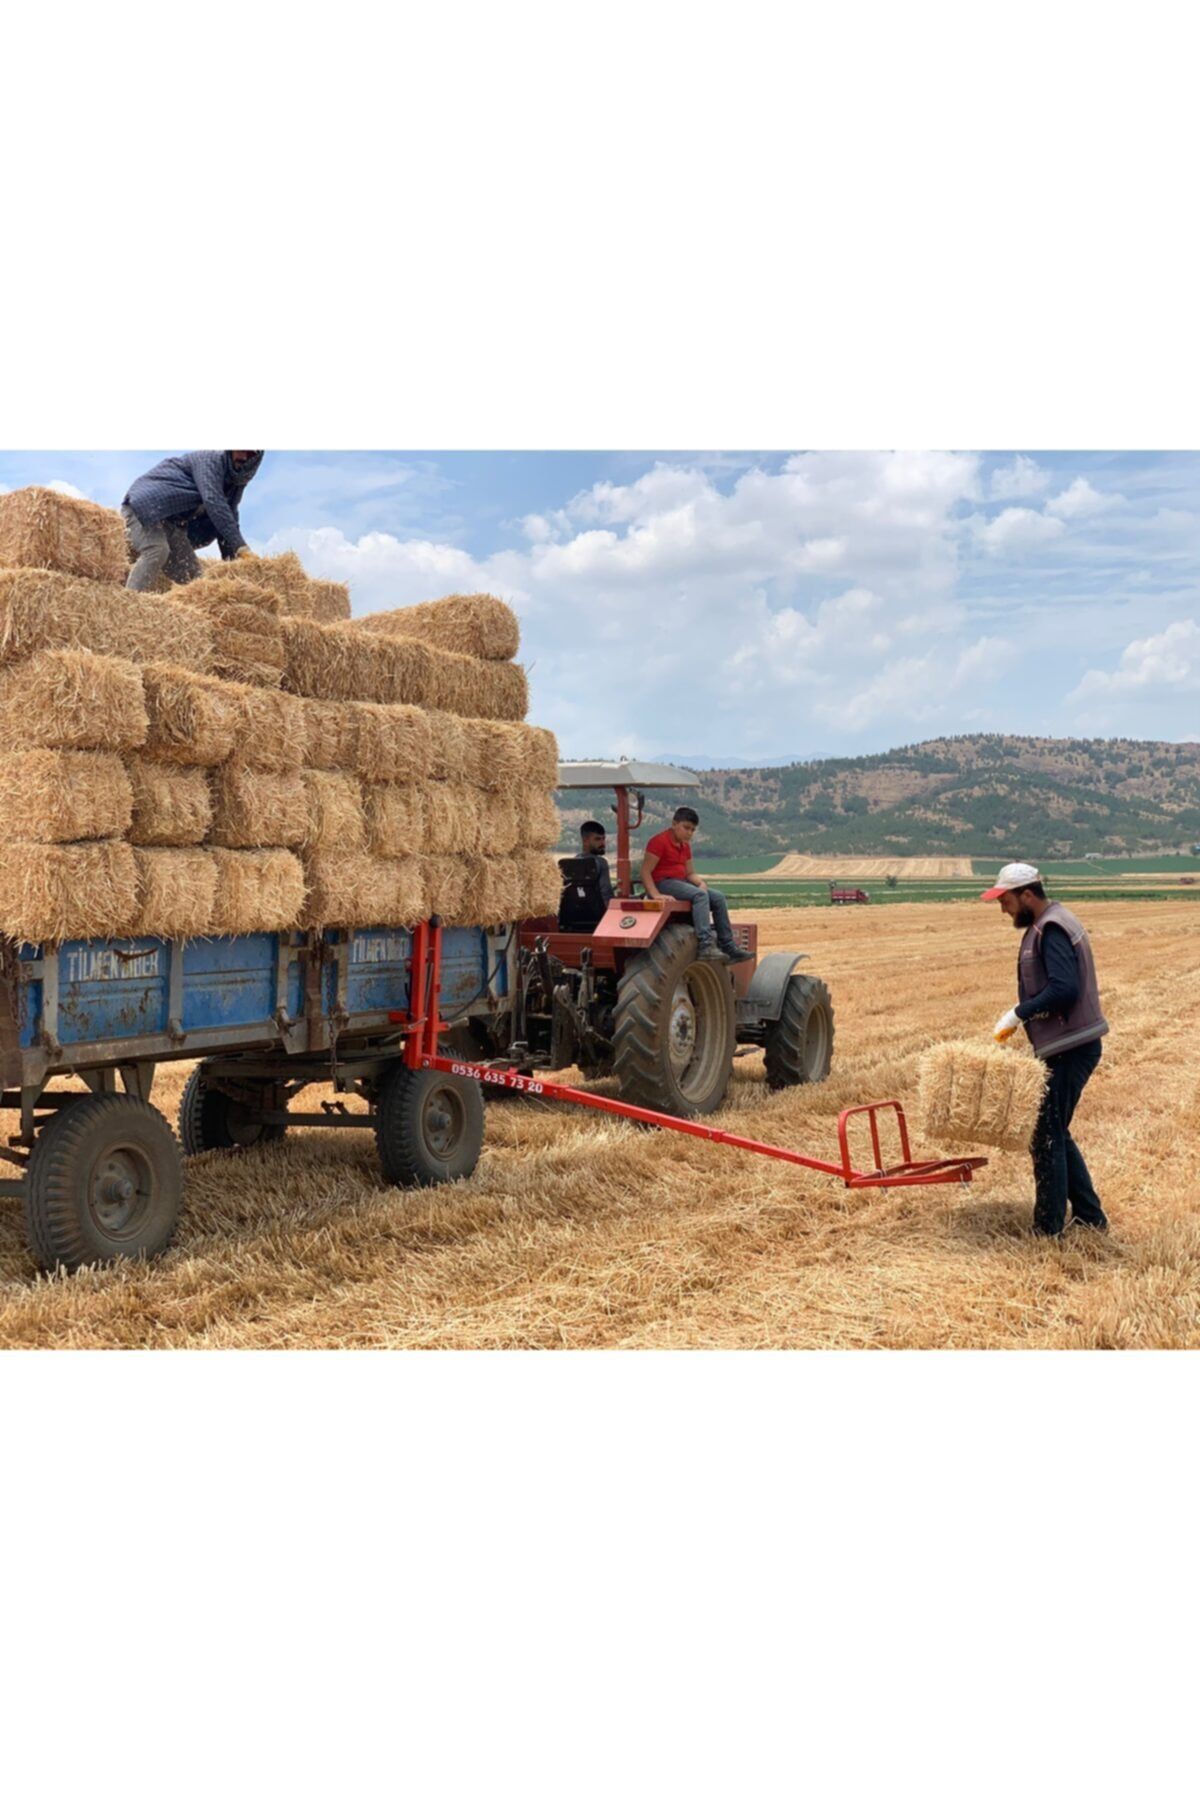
1022,920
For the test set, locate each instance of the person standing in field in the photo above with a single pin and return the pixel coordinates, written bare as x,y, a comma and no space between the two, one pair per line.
181,504
667,868
1059,1006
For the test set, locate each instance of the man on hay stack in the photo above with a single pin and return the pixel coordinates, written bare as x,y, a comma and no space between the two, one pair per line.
181,504
1059,1006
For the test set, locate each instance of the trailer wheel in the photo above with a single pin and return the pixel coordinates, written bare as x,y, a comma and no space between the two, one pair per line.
211,1120
799,1044
675,1027
428,1127
104,1181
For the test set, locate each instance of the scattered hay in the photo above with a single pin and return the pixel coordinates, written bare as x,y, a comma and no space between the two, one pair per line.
471,624
176,889
355,891
72,700
254,809
41,529
297,594
171,804
336,821
396,818
538,823
980,1094
393,743
256,890
65,795
50,892
42,610
193,719
474,689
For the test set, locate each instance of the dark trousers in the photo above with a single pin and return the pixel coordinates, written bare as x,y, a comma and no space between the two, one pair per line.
1060,1173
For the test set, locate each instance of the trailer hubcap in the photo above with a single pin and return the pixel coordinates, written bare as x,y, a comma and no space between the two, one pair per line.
120,1190
682,1029
443,1117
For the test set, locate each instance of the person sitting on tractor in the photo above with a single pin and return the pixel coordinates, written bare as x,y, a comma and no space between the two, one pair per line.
594,842
668,869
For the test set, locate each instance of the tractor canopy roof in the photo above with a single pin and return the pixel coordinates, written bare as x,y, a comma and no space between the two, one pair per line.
624,774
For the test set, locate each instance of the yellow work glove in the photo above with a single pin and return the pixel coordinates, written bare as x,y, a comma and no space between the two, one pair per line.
1005,1026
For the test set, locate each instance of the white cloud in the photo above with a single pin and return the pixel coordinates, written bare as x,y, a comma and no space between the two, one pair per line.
1158,667
67,488
1081,500
1019,479
1018,528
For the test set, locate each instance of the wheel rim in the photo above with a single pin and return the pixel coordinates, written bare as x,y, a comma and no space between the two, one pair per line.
244,1127
696,1045
120,1190
443,1121
816,1042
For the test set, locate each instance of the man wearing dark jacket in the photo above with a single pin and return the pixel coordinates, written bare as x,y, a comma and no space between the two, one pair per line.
1059,1006
181,504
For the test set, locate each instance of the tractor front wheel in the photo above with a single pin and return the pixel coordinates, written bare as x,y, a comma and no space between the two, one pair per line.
799,1044
675,1028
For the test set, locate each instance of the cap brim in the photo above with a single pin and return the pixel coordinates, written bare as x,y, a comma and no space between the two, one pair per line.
995,893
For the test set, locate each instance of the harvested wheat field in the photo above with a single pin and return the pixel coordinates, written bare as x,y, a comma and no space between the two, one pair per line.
579,1232
795,867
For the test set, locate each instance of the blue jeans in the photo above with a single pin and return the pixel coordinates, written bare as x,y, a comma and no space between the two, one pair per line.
708,909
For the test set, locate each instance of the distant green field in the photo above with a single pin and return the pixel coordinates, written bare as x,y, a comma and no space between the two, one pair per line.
752,896
1111,865
736,865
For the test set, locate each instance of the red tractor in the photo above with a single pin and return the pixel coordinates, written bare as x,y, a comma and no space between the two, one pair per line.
618,989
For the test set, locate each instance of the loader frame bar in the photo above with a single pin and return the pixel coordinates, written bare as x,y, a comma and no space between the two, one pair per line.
422,1051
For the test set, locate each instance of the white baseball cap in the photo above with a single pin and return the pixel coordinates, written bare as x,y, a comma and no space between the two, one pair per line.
1012,875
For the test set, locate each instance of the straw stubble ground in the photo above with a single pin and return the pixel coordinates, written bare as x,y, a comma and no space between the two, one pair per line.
580,1232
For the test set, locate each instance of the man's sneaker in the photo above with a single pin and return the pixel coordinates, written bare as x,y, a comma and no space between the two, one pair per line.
739,956
710,953
1088,1224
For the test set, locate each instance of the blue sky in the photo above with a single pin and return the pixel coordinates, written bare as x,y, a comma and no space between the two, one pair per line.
743,605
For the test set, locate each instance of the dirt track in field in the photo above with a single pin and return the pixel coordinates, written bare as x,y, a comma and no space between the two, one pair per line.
583,1233
795,867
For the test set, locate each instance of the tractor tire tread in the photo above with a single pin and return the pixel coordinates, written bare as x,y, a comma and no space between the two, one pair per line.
784,1046
51,1189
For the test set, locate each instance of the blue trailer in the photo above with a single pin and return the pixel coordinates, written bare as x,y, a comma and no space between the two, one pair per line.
264,1016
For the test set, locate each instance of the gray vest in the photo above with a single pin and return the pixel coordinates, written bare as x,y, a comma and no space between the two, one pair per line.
1057,1031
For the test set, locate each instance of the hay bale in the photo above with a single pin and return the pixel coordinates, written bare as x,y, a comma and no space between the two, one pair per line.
272,730
65,795
256,890
233,584
500,892
393,743
171,804
50,892
193,719
395,817
973,1093
354,891
331,734
541,884
455,749
298,595
176,890
471,688
538,824
471,624
447,880
452,819
254,809
41,529
335,662
247,639
41,610
541,756
495,753
336,820
498,823
72,700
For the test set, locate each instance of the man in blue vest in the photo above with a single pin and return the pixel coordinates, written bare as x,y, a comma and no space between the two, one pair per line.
181,504
1059,1006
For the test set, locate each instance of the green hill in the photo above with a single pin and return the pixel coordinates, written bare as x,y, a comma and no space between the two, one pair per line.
967,796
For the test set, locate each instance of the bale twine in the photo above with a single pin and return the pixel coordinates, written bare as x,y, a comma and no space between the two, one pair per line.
974,1093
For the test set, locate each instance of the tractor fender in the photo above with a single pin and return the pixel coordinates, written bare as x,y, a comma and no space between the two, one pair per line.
763,1001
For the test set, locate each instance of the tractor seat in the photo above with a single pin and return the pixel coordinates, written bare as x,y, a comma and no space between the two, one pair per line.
581,906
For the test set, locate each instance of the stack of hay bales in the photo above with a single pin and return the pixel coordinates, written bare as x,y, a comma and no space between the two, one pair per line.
210,762
42,529
973,1093
298,594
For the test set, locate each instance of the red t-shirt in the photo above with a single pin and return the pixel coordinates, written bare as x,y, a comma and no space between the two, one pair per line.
673,857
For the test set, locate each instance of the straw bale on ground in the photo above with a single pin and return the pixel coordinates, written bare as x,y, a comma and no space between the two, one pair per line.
298,594
192,718
65,795
72,700
256,810
395,815
49,892
336,821
354,891
256,890
171,803
471,624
43,610
538,823
973,1093
176,889
41,529
393,743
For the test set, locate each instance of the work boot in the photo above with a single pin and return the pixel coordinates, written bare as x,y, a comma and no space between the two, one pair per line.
710,953
734,955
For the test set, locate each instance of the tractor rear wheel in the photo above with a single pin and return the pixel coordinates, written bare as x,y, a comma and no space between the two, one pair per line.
675,1028
799,1043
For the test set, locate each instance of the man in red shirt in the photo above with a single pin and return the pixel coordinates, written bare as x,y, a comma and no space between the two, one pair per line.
668,870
